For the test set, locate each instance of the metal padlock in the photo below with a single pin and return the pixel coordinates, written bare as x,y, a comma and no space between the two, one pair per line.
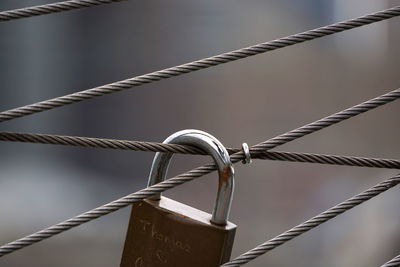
166,233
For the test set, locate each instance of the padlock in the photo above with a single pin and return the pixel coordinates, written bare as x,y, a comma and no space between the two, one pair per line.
166,233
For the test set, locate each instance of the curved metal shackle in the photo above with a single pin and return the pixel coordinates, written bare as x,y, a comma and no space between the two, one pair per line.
212,146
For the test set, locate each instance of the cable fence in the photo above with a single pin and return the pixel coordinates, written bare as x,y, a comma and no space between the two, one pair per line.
196,173
198,65
258,151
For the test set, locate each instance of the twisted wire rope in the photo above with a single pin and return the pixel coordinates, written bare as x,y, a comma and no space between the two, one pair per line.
329,159
395,262
314,222
199,64
327,121
184,149
193,174
186,68
102,143
51,8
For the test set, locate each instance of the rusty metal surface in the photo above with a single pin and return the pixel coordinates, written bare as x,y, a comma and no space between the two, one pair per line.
168,233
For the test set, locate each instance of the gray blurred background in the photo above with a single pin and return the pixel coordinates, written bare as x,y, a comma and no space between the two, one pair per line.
250,100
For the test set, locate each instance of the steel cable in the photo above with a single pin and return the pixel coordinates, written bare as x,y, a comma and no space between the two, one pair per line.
101,143
183,149
190,175
314,222
395,262
329,159
327,121
51,8
198,65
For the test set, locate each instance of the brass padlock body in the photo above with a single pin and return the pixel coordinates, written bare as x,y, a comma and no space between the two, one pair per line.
167,233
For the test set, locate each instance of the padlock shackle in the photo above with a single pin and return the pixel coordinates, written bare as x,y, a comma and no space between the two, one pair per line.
212,146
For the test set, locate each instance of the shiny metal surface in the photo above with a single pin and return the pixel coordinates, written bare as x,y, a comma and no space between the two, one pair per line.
212,146
246,151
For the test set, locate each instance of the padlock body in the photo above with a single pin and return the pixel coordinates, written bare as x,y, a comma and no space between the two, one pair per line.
168,233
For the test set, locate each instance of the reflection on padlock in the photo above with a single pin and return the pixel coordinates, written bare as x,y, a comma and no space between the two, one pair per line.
163,232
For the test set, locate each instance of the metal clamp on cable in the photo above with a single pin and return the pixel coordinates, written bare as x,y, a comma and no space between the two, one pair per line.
246,151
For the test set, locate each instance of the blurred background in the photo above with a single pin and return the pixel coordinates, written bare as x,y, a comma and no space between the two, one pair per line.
250,100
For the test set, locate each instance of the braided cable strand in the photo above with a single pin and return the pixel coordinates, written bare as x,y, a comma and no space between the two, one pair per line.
183,149
328,121
101,143
395,262
314,222
51,8
188,176
198,65
329,159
